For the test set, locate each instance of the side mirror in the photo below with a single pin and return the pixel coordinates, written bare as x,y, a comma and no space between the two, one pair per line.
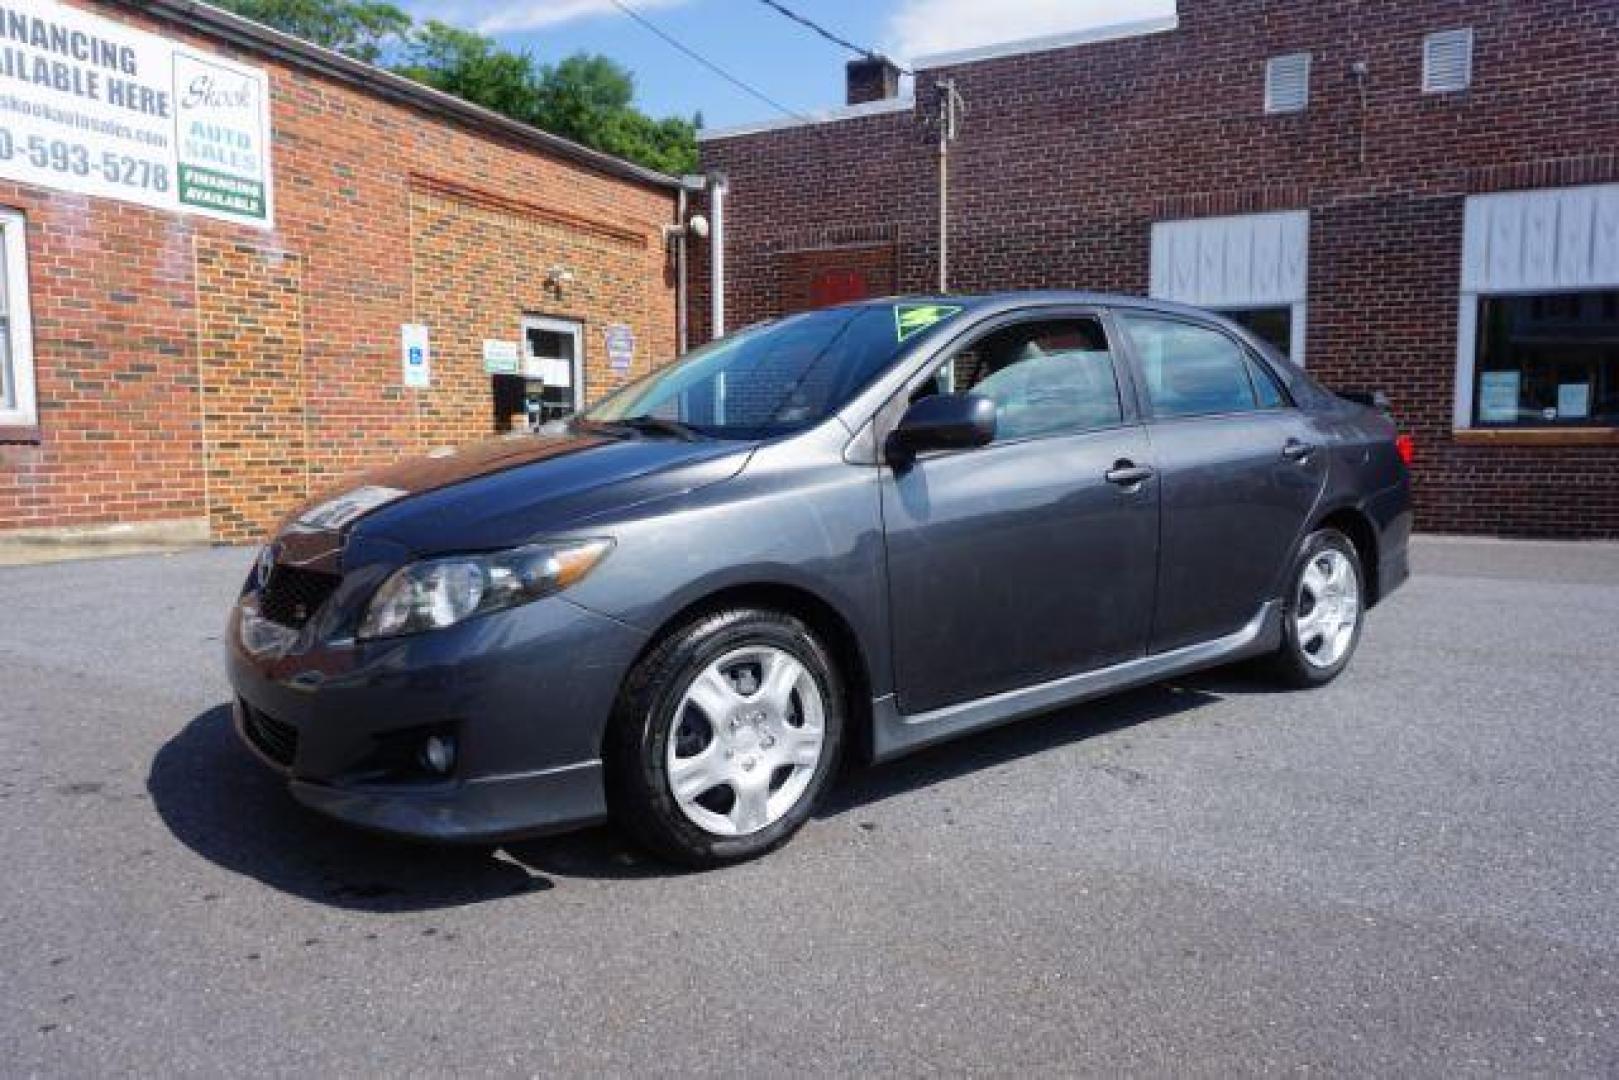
942,422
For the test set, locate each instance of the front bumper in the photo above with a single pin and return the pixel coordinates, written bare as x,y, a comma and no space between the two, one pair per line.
525,694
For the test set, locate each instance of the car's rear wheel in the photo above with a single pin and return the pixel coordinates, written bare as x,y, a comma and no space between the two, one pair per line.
1324,612
724,735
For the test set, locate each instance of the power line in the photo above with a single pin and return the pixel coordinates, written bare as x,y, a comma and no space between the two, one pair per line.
706,62
869,54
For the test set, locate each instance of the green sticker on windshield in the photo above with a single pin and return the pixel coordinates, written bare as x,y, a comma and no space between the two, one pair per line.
912,319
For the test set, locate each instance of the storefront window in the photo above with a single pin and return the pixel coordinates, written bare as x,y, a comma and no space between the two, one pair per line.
1272,325
16,364
1548,360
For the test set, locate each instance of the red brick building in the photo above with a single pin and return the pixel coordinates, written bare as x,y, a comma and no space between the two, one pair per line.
1420,198
237,267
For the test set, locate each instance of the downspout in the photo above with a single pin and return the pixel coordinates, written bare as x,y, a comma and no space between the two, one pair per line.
944,202
950,107
717,187
680,272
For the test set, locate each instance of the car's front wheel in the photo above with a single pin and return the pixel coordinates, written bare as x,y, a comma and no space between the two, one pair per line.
723,737
1324,611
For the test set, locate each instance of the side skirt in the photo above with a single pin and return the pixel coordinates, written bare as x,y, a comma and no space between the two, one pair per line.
894,733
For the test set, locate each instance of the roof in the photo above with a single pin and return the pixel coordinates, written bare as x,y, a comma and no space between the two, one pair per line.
204,18
1095,35
1090,36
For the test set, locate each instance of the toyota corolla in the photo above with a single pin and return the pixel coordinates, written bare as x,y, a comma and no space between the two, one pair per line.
856,531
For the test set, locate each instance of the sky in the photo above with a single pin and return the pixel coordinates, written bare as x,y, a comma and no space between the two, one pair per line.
785,62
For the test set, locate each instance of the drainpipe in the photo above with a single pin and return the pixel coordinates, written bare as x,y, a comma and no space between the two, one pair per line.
950,107
680,271
718,185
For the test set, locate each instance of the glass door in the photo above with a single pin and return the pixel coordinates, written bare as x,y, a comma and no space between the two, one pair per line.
553,368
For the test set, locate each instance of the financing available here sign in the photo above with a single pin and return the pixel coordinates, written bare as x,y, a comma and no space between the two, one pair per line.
95,107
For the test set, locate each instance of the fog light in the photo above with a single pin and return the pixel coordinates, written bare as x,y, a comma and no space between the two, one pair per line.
438,753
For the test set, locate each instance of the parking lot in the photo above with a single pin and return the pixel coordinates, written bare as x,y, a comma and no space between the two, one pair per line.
1413,870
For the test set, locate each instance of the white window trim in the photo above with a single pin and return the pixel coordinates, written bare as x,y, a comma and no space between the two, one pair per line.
13,226
1223,297
1478,282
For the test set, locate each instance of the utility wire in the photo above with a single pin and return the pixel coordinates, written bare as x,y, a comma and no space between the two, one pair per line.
705,61
869,54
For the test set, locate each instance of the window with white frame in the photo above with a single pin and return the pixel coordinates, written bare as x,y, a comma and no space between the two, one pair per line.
1538,325
16,333
1251,268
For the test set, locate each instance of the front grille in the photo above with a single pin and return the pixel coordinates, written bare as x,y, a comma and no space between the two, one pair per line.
292,596
274,739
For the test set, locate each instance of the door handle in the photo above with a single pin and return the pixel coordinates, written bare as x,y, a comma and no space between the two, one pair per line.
1294,450
1127,473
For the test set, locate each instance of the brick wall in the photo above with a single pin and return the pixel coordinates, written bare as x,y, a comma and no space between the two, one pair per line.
250,362
189,368
1067,157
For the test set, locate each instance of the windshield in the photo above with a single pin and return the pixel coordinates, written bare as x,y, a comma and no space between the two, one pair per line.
767,380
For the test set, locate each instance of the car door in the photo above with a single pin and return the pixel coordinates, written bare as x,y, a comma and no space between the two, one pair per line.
1239,468
1021,561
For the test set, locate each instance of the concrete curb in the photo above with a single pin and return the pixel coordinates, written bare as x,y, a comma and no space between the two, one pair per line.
24,547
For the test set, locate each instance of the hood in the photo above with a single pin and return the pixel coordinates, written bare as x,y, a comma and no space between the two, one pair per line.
517,489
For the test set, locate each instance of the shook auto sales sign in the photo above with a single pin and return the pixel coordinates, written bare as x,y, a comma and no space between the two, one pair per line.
92,106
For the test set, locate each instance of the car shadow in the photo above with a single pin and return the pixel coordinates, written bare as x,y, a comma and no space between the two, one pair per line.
951,760
225,806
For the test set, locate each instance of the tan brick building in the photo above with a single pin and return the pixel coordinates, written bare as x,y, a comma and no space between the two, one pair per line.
210,302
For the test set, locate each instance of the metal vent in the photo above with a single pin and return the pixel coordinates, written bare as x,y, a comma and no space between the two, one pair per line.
1287,83
1447,61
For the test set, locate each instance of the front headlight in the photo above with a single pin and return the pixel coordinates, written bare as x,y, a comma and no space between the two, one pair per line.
436,593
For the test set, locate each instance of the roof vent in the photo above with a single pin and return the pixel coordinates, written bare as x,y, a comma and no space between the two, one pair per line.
1287,83
1447,61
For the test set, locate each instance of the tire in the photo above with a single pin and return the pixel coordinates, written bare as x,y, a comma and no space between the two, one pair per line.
723,737
1324,611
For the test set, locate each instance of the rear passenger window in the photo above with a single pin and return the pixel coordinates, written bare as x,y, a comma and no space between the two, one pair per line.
1191,370
1045,378
1270,394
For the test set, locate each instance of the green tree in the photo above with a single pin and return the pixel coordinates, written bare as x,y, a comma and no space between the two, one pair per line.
474,68
358,28
590,99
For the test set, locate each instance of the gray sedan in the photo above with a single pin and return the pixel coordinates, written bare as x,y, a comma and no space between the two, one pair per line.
851,532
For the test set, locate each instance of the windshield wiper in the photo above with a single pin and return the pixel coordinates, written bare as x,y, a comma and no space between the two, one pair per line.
654,425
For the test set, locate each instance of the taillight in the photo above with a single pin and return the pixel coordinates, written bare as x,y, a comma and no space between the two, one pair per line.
1406,446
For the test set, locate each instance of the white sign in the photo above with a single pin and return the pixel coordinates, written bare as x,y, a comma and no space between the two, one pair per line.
500,357
620,347
556,372
415,356
549,370
95,107
1574,400
1498,397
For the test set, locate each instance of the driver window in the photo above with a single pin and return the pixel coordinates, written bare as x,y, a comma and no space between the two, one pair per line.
1045,378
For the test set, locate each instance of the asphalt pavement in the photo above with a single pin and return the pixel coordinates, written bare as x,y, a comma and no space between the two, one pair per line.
1413,871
